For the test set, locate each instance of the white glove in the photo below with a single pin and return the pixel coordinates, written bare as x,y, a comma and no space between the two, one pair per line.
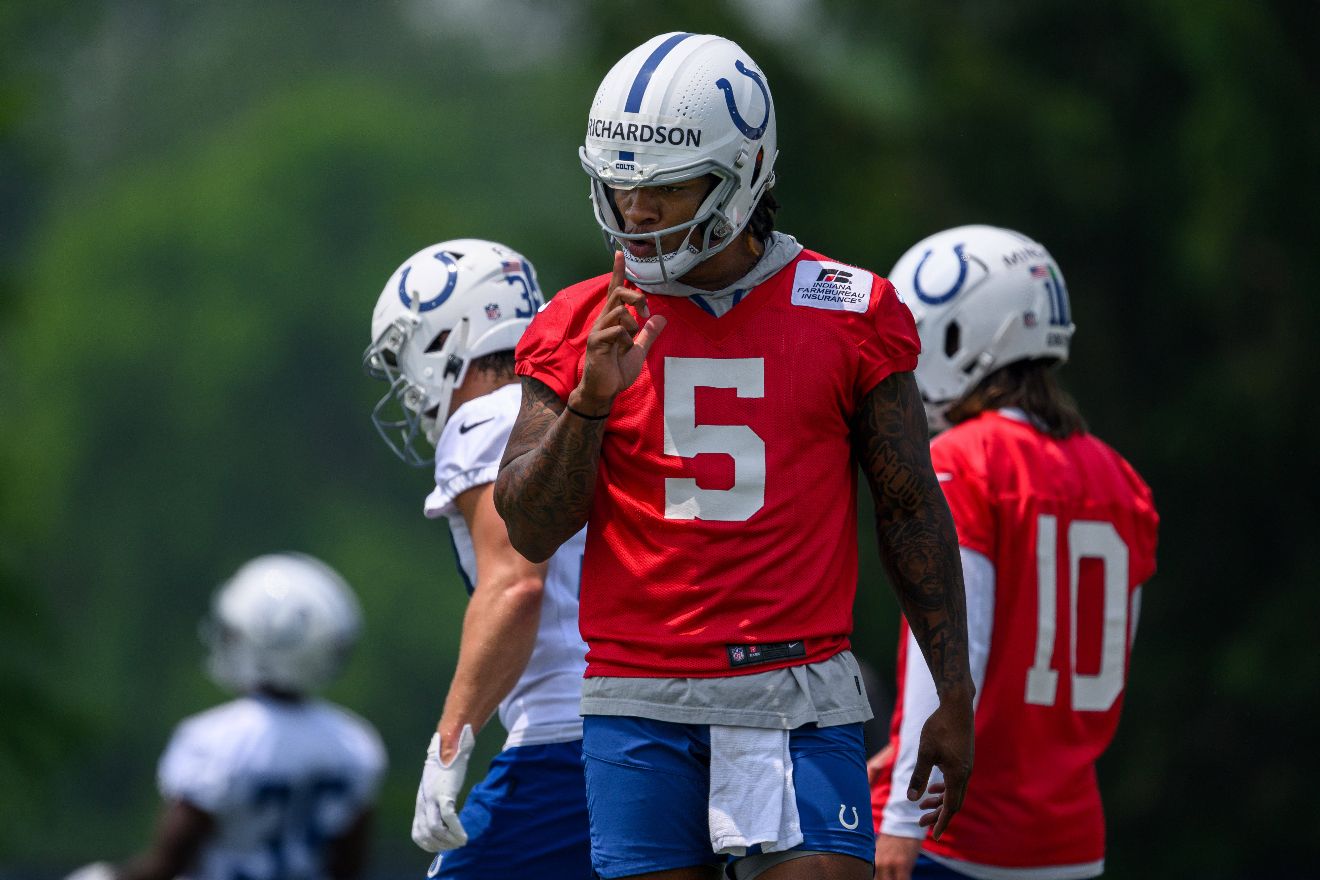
435,821
94,871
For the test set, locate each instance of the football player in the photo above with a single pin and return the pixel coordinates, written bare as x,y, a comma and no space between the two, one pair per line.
704,407
443,334
1057,535
277,783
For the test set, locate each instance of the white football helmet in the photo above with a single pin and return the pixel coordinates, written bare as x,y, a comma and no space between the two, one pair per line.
983,297
678,107
94,871
285,620
446,305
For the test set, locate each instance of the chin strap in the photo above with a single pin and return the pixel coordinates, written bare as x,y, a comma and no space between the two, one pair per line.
777,251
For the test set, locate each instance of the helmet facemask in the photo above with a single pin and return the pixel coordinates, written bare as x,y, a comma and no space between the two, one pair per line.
715,227
678,107
445,306
407,411
224,658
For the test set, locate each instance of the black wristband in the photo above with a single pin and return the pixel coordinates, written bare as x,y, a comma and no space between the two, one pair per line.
582,415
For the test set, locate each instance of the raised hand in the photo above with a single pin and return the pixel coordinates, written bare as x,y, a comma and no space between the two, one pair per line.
616,347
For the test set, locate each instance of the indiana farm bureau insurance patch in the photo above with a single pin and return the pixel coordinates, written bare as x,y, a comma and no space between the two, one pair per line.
831,286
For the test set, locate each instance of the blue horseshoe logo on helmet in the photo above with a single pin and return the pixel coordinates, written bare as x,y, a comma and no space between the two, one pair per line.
425,305
727,87
935,299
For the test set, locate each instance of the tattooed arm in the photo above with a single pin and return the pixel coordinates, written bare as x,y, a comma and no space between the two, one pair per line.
548,474
919,548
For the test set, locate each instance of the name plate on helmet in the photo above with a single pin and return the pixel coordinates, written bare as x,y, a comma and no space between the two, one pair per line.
643,130
833,286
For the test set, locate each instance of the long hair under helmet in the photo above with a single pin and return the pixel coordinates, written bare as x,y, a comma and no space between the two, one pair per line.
678,107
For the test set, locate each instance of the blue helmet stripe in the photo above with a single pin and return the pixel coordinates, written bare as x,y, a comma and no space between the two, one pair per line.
1065,306
643,79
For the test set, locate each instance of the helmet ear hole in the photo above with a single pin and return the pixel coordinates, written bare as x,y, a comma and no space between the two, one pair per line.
438,343
952,339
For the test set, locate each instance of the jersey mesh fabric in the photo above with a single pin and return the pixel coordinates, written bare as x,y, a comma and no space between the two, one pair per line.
280,779
542,706
1033,801
665,596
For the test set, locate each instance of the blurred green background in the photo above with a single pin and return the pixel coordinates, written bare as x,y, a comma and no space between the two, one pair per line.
199,203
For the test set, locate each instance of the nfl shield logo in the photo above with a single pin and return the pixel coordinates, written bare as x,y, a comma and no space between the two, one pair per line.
738,654
493,311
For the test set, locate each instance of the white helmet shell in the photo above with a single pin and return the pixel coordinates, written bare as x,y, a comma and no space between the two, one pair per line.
678,107
983,297
447,305
285,621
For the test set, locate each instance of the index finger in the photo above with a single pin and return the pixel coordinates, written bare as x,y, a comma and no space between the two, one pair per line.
636,298
617,280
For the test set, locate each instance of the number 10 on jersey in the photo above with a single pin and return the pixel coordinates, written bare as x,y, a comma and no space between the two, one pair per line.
1086,539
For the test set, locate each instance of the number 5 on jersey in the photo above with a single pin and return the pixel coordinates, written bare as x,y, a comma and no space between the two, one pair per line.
684,438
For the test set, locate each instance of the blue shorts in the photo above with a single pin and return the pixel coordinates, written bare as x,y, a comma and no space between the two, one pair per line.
648,785
927,868
527,818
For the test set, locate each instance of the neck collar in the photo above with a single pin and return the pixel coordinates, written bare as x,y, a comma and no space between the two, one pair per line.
780,250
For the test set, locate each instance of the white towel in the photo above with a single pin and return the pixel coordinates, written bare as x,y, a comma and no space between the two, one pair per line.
752,799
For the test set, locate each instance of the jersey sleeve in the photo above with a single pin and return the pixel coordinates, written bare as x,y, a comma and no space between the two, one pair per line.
469,451
1146,538
196,768
544,352
894,814
889,343
959,467
368,750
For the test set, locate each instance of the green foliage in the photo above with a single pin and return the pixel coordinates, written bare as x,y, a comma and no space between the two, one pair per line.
200,203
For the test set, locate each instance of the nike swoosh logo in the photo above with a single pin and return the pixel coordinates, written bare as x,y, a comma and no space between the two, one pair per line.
463,429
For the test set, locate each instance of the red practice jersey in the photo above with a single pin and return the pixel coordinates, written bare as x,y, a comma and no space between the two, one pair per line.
1070,530
722,537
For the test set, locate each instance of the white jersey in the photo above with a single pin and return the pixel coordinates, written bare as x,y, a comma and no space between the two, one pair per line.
280,780
544,706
